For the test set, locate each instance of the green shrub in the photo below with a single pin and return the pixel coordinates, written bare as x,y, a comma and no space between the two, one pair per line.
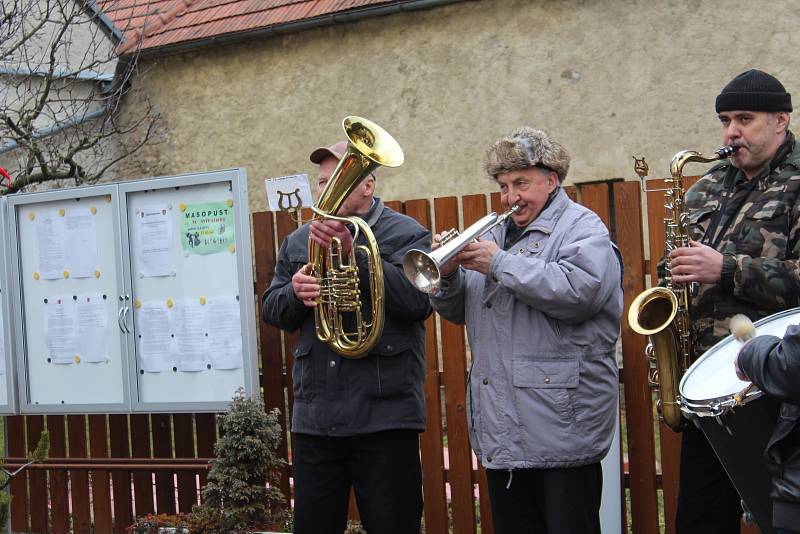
242,492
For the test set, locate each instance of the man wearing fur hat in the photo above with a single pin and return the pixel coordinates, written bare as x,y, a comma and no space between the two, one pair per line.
745,226
541,299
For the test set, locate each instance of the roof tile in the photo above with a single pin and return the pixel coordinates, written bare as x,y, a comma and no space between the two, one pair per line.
170,22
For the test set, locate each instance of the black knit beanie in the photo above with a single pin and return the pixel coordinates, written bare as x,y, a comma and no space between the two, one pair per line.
754,90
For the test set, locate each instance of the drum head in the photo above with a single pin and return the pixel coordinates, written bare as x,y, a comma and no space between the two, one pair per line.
713,377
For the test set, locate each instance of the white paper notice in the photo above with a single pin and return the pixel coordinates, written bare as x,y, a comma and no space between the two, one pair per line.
92,328
81,243
154,336
224,333
155,242
61,320
189,322
50,237
288,192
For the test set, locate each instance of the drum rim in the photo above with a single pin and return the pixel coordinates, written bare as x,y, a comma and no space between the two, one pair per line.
716,406
712,406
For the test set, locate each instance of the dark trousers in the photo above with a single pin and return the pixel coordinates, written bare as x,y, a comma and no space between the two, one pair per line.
546,501
384,470
707,501
786,531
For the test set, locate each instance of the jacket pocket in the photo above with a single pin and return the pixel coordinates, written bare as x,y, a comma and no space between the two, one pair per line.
303,372
766,232
764,211
391,373
551,374
547,386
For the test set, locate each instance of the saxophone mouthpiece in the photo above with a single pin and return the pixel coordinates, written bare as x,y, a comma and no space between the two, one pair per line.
727,151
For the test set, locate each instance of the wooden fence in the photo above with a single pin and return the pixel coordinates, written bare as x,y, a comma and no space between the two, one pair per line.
105,470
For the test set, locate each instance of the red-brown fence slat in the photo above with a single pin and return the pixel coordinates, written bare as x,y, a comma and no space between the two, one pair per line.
79,480
120,479
162,448
487,527
670,441
637,394
396,205
184,448
142,480
595,197
37,480
272,376
495,203
432,450
59,493
455,372
285,225
15,438
572,192
474,207
101,488
206,432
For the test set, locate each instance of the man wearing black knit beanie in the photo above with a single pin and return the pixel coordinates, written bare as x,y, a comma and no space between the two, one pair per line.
744,259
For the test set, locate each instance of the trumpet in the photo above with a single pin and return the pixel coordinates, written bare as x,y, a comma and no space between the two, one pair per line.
423,268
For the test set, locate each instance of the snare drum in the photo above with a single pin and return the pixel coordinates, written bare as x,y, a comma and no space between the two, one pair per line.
738,429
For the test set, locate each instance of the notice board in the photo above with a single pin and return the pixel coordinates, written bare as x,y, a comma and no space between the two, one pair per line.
71,352
192,310
134,297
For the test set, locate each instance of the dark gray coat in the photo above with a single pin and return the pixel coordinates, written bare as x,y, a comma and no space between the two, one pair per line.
336,396
773,364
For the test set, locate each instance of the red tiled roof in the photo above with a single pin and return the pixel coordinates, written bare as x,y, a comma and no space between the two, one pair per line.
152,24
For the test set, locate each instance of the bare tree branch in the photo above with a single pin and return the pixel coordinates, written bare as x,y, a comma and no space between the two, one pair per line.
61,90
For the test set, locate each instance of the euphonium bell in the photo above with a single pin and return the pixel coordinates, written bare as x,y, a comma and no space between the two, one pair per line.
340,316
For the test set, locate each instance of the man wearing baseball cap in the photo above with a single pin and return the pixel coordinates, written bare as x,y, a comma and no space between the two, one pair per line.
355,421
745,228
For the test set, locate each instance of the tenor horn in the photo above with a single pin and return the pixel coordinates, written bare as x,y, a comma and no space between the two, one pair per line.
340,316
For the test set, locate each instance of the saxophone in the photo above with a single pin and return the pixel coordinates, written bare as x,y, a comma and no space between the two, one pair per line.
662,313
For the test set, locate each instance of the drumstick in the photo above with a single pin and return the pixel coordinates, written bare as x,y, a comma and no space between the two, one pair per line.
742,327
738,398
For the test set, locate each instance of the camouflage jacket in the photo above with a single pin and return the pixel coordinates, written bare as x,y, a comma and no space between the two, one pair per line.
758,233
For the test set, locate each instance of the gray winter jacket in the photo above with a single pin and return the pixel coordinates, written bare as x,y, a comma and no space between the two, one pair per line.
542,328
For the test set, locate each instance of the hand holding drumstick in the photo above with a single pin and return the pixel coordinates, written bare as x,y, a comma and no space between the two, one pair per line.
742,329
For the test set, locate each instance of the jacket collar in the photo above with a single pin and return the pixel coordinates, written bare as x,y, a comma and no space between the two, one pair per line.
374,213
546,221
785,154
